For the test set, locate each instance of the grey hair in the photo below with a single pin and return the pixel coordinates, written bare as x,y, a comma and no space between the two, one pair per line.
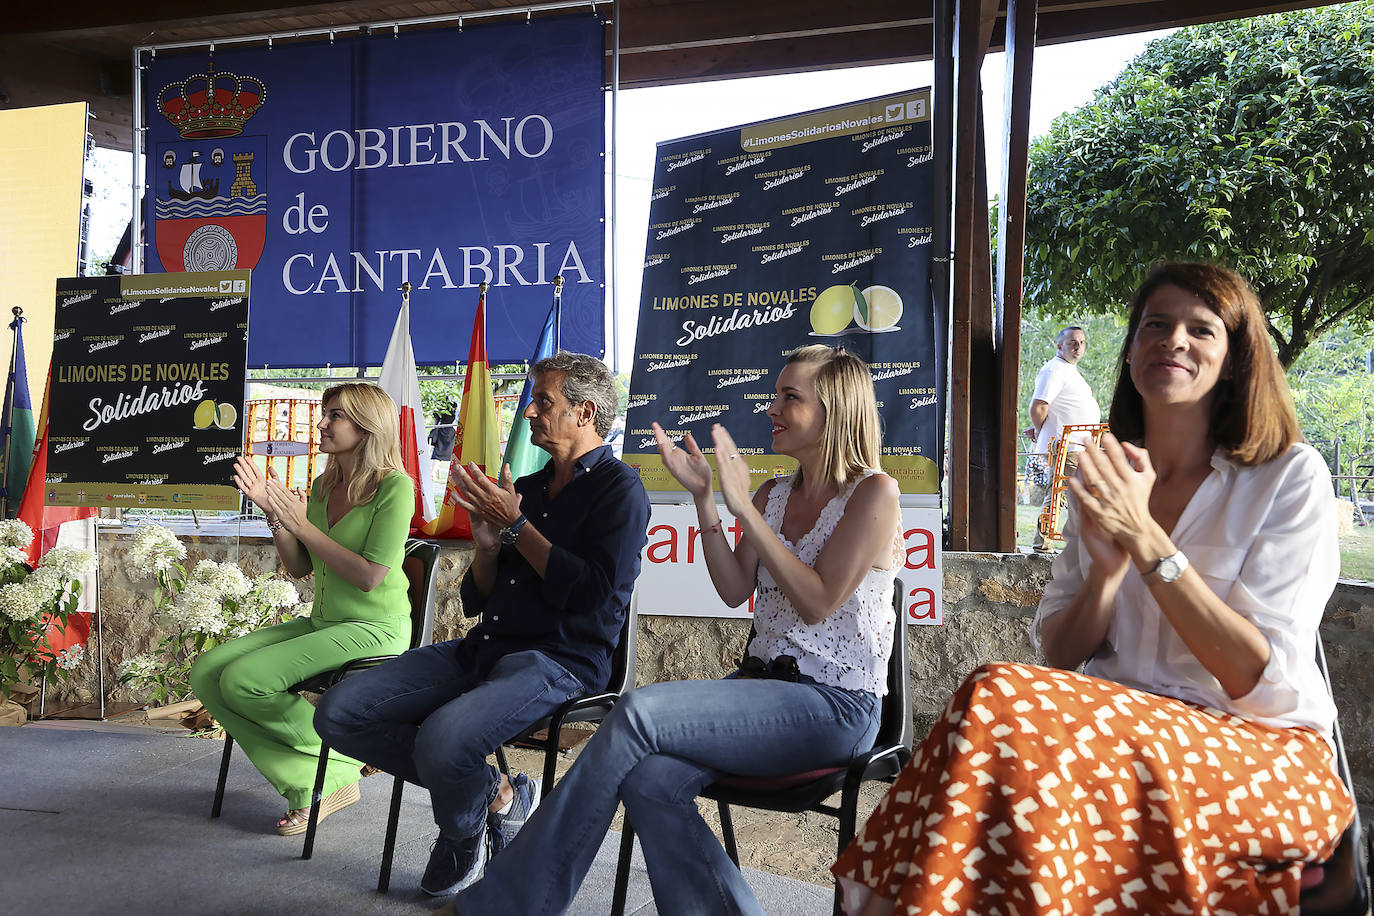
585,378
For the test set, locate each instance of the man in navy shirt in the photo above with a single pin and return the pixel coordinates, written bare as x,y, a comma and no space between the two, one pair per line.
557,556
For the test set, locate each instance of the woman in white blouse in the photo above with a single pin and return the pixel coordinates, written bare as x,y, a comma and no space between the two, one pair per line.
1189,769
819,550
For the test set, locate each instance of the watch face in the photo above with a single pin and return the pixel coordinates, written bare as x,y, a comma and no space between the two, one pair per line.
1169,569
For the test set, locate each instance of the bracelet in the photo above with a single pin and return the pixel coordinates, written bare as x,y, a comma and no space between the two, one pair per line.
715,527
274,525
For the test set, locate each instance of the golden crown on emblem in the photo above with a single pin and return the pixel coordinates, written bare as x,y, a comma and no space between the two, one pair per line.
211,104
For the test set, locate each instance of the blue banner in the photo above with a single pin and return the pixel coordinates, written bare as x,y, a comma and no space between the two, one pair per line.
814,228
337,170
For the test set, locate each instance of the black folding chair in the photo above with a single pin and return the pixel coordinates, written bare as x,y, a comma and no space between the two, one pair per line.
1338,886
808,791
421,568
591,708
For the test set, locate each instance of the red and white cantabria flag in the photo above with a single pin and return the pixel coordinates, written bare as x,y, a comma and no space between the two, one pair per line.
400,380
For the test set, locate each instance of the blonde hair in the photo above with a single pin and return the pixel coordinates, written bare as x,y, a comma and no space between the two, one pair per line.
852,437
374,413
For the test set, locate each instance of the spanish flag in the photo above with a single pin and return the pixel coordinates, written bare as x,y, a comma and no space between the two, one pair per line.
477,438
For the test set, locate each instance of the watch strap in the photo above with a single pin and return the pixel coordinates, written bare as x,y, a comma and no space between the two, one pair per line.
1176,562
511,532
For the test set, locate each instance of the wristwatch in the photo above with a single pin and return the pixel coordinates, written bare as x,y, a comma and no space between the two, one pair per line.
1168,569
509,533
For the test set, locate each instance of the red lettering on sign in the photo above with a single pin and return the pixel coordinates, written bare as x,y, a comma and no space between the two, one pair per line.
664,551
921,553
923,608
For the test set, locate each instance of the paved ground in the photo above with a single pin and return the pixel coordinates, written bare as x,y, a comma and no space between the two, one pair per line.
102,818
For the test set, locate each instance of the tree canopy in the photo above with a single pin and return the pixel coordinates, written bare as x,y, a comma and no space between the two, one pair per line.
1247,143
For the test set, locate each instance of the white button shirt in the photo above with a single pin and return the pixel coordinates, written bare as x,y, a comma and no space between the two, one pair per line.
1264,540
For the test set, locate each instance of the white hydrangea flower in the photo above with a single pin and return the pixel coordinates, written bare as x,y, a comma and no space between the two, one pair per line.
277,593
47,584
301,610
198,609
228,580
138,668
20,601
70,657
155,549
12,556
71,562
14,533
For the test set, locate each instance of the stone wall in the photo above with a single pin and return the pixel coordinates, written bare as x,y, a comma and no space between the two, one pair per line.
989,599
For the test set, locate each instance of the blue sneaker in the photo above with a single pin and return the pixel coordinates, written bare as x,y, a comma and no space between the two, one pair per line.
504,827
454,865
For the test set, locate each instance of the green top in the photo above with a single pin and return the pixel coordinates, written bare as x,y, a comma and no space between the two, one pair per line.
376,531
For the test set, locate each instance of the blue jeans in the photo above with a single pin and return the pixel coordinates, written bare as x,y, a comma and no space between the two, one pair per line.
426,719
659,747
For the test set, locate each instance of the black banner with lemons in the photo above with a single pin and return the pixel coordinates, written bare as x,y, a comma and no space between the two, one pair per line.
813,228
146,394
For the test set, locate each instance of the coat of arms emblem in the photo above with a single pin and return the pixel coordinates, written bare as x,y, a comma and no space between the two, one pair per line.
210,187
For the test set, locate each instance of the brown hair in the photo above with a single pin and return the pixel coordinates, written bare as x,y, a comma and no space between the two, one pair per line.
374,413
1253,419
852,438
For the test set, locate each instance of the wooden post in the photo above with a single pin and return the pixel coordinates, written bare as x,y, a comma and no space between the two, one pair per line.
1011,251
973,21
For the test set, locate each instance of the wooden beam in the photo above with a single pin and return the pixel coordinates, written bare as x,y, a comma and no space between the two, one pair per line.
984,389
791,55
1011,251
650,29
84,15
942,239
1080,20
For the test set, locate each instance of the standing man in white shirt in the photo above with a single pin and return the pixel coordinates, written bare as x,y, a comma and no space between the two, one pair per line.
1061,398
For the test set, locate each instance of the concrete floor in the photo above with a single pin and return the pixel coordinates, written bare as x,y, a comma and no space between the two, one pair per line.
110,819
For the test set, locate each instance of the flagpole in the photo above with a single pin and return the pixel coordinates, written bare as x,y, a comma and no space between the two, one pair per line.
19,319
99,623
557,313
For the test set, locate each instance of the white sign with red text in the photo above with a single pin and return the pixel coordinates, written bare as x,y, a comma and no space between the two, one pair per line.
673,580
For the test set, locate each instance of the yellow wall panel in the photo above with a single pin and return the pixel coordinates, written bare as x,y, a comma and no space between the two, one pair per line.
42,154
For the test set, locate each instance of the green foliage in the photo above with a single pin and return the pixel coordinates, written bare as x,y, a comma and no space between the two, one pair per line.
1243,142
1333,392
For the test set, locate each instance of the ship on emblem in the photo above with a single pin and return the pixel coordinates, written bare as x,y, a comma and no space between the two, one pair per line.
188,185
213,215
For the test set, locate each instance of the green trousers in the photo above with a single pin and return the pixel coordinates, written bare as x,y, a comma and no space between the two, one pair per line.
244,684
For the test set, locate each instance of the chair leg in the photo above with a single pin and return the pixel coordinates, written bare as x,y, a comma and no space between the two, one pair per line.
848,817
393,818
550,763
727,830
501,763
223,776
622,868
316,796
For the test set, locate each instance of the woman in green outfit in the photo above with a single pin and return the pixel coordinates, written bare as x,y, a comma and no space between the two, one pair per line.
350,532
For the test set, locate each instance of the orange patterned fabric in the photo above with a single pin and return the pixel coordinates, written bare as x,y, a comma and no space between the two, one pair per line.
1047,792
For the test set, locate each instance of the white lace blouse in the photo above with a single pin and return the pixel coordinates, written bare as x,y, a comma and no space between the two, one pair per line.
848,649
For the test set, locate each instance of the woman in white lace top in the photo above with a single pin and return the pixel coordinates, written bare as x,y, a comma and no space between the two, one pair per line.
821,549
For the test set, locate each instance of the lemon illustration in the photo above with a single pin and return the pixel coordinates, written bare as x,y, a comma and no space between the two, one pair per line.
884,309
205,414
226,415
832,310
